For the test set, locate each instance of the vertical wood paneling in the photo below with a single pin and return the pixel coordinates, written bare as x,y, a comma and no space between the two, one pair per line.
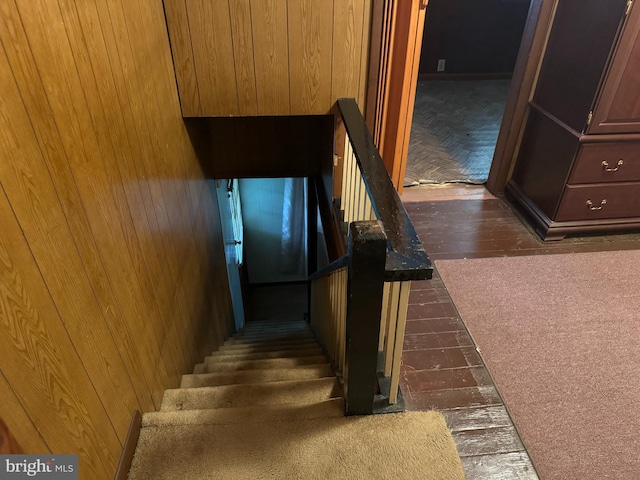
105,211
271,54
183,56
18,424
40,363
8,444
241,21
30,189
210,27
111,255
348,16
25,73
310,51
365,55
102,109
269,57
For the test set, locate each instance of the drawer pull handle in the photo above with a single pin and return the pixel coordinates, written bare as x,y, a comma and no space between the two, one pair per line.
593,207
607,168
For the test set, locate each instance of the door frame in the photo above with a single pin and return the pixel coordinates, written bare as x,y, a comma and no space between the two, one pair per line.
396,41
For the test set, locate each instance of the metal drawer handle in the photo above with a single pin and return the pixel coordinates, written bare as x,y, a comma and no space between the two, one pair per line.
596,207
607,168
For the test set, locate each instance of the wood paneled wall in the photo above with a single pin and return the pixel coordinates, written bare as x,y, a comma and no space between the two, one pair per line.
475,38
270,146
111,259
268,57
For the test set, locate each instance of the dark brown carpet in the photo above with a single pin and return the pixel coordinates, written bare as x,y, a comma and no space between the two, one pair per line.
560,335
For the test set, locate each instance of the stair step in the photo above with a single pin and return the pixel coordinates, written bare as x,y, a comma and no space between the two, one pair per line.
248,395
237,356
293,327
214,367
332,408
274,327
230,343
256,323
275,347
304,372
269,339
268,335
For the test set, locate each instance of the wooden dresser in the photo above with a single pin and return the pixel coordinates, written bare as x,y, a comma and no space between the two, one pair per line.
578,167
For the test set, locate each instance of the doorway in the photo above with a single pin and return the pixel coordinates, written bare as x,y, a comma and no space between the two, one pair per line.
229,205
468,56
396,43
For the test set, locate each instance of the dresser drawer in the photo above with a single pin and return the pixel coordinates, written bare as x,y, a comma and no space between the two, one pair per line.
592,202
607,162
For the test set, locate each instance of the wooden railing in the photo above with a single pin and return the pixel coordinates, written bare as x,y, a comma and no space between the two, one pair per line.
329,310
382,254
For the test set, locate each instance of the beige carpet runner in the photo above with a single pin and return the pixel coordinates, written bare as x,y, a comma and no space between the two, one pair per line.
267,406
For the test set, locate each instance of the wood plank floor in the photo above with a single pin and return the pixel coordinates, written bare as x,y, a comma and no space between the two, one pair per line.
441,369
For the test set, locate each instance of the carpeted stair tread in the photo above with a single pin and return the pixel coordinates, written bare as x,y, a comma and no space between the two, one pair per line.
199,368
409,445
283,338
273,322
269,326
235,357
273,335
213,367
235,343
289,412
246,395
304,372
276,328
269,339
267,347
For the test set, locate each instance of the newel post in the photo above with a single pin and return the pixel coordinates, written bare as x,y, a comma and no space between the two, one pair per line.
368,250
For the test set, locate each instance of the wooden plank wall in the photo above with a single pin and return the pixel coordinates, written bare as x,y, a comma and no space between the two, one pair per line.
294,146
111,255
269,57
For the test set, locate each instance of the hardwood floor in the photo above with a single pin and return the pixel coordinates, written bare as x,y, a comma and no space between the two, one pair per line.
441,368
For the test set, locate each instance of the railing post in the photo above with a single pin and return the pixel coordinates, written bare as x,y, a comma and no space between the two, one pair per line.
367,248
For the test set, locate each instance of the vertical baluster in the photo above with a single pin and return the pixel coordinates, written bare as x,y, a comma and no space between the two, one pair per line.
405,288
336,318
361,202
384,316
313,311
345,172
352,187
341,307
394,296
327,333
356,194
367,206
347,187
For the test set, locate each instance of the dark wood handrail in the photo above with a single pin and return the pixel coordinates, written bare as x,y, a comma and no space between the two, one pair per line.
332,267
406,257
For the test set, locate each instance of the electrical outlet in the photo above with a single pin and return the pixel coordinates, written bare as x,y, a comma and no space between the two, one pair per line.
441,63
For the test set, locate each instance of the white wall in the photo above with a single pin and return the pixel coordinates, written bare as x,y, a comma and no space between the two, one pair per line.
262,201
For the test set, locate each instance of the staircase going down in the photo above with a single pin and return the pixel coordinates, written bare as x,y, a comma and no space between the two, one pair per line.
270,371
267,405
265,365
